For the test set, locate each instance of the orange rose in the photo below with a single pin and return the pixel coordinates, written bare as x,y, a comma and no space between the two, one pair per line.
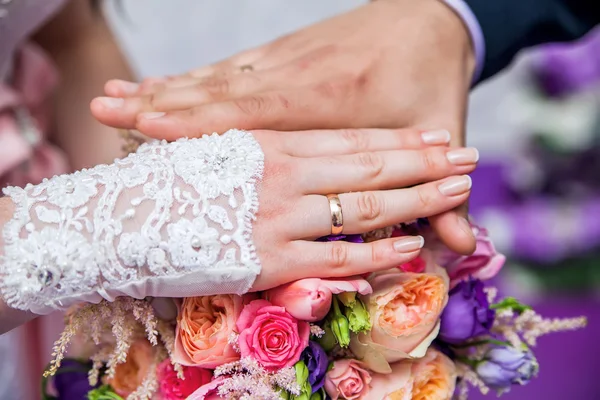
405,308
432,377
204,325
130,375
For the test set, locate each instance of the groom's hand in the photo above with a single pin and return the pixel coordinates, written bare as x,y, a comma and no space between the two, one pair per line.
388,64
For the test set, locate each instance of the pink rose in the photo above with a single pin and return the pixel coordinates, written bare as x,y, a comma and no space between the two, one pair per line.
348,379
310,299
405,309
271,335
483,264
173,388
204,325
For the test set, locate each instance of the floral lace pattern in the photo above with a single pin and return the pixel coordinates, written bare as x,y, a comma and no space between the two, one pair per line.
176,210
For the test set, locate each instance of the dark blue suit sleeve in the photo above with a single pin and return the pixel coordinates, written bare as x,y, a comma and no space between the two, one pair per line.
511,25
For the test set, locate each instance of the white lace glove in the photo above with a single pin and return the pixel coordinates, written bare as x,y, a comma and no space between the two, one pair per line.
172,220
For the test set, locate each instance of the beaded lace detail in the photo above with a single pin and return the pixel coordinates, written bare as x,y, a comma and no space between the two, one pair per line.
180,210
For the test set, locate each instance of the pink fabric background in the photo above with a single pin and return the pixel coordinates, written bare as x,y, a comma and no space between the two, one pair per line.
27,79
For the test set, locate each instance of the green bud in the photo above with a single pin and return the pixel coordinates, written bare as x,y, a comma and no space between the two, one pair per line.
510,303
103,393
327,341
347,298
316,396
341,330
285,395
301,372
358,317
301,396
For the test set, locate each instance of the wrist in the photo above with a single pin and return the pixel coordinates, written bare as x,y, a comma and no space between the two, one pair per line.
452,35
477,49
455,28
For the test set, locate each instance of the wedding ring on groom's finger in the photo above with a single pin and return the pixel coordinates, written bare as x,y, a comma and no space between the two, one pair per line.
337,217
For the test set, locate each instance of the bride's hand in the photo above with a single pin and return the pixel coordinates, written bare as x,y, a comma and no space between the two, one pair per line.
365,167
224,214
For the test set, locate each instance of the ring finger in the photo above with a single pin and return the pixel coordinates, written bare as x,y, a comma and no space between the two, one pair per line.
370,210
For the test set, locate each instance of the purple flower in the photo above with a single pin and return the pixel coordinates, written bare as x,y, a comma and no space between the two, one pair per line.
316,361
71,380
347,238
504,366
467,314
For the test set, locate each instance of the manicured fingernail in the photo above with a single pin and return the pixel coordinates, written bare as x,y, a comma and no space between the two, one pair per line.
465,156
126,86
152,115
409,244
456,185
111,102
436,137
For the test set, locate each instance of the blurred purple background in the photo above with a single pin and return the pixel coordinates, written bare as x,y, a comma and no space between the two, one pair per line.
542,207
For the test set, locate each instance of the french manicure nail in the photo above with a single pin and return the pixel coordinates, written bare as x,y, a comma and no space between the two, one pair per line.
112,102
152,115
409,244
465,156
127,87
456,185
436,137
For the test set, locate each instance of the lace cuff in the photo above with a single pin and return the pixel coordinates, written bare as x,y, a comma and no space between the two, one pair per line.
171,220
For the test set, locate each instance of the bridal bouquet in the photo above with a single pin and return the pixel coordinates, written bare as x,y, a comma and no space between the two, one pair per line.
428,329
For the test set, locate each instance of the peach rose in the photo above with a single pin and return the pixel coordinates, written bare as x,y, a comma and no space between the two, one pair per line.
348,379
130,375
432,377
405,308
204,325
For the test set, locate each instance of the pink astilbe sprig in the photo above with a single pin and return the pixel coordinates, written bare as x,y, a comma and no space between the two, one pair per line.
150,385
123,320
166,331
527,325
98,360
247,379
316,331
466,378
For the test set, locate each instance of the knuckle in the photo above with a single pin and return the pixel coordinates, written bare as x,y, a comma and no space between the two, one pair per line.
355,139
402,139
369,206
377,256
425,198
153,101
433,160
215,86
372,163
336,255
338,89
252,105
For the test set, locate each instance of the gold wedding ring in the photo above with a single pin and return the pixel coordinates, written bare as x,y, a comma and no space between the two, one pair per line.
247,68
337,218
